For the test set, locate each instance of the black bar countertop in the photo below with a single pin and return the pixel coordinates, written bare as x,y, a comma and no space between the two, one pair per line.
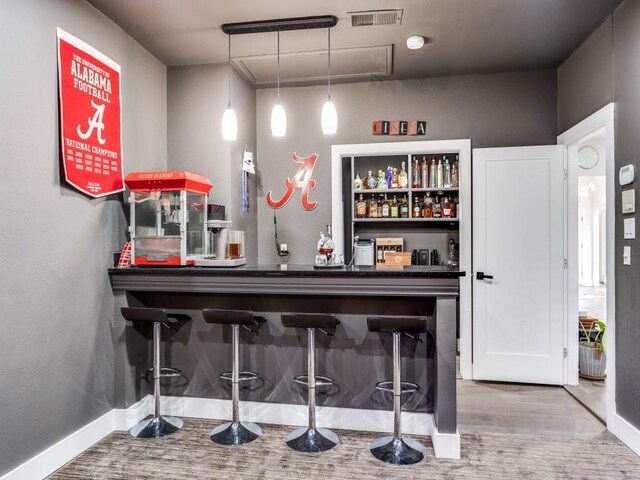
419,271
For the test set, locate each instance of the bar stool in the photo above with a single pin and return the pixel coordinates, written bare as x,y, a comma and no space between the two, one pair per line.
312,439
156,425
235,432
397,449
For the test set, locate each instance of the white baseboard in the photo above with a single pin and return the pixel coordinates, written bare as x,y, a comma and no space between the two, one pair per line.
124,419
626,432
444,445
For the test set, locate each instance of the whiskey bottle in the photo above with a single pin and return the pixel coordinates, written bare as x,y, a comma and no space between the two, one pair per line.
380,207
403,180
373,208
394,179
425,174
415,174
404,208
437,209
357,182
416,208
447,174
455,173
446,208
385,207
427,206
433,172
394,208
361,208
454,208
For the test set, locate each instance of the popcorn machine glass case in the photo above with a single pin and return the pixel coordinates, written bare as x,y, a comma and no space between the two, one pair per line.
168,217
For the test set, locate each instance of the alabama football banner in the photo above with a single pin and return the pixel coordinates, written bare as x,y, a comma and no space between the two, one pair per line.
90,117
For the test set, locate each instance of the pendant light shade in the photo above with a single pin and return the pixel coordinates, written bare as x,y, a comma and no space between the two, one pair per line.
329,117
229,120
229,124
278,115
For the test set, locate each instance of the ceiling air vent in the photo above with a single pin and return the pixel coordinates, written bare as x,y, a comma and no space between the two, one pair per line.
375,17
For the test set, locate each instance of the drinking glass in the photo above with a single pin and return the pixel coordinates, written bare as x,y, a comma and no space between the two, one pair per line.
235,247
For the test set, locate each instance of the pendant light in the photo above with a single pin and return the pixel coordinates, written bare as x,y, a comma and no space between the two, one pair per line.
278,115
229,120
329,117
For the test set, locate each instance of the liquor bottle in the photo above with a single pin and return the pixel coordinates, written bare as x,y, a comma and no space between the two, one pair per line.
372,182
415,174
455,181
373,208
404,208
389,176
361,208
416,208
380,207
425,174
385,207
433,172
437,209
394,179
357,182
394,208
427,206
446,208
403,180
447,174
382,181
454,208
439,174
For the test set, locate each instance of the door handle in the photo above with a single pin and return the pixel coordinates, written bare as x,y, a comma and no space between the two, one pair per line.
483,276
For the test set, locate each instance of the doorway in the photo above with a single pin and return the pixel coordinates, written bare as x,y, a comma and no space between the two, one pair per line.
589,216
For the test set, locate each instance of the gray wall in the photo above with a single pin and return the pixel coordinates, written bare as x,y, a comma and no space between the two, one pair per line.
197,97
56,302
578,97
494,110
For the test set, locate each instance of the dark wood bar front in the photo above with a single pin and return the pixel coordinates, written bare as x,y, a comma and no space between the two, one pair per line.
356,358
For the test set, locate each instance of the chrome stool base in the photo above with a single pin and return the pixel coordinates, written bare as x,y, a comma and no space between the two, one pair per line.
312,440
397,451
231,433
156,427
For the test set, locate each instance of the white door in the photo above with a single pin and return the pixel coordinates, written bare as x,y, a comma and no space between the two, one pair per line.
518,240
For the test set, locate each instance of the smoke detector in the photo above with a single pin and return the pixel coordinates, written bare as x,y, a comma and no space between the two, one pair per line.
370,18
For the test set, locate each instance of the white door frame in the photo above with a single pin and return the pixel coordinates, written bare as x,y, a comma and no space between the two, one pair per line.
603,118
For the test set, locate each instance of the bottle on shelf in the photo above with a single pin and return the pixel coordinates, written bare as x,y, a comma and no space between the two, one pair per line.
447,174
454,208
439,174
404,208
371,181
425,174
416,208
437,209
382,181
394,211
403,180
455,173
433,172
361,207
415,174
386,207
373,208
395,179
379,203
388,176
427,206
446,208
357,182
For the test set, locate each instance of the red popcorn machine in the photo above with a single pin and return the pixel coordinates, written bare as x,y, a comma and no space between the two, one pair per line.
168,217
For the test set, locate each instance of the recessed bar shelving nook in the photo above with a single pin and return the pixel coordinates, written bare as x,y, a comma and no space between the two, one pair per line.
418,233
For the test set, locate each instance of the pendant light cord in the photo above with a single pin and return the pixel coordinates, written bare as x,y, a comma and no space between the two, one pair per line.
329,61
278,101
229,74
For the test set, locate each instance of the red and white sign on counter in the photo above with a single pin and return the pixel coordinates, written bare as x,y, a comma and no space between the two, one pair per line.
90,117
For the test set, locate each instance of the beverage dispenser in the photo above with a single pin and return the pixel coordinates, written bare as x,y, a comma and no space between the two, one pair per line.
168,217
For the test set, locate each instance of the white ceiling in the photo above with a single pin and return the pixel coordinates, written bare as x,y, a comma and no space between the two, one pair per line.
465,36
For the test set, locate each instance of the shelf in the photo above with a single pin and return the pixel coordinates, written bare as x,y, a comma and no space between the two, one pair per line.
406,190
388,190
388,220
450,189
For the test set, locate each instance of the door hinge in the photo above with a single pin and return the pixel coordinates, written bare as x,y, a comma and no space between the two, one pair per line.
564,174
565,263
564,352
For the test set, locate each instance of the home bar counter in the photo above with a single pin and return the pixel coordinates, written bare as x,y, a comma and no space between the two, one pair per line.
356,359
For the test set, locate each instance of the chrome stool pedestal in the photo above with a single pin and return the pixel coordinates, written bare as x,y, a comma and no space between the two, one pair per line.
155,425
397,449
311,439
235,432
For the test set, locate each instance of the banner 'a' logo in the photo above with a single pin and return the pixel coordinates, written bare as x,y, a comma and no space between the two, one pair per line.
301,181
95,122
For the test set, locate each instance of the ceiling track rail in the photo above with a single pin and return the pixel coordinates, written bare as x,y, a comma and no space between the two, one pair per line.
280,25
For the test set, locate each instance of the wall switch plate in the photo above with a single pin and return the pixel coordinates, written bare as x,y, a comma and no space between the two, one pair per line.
630,228
629,201
626,255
